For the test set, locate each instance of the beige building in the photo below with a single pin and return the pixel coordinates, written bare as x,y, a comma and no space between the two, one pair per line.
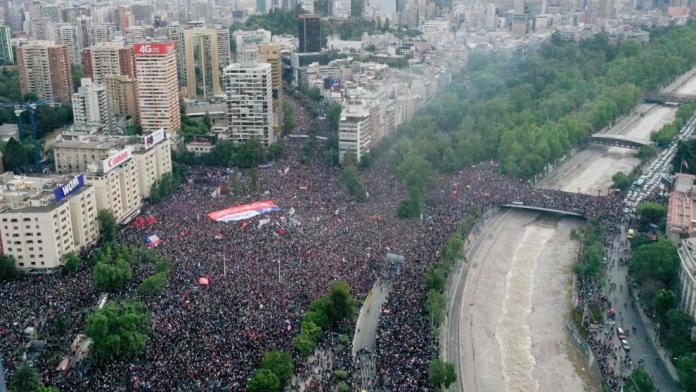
354,131
687,276
43,218
121,169
123,100
158,86
202,67
45,70
249,102
270,54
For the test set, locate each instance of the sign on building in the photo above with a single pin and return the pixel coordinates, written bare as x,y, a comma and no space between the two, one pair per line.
72,186
154,48
116,159
153,138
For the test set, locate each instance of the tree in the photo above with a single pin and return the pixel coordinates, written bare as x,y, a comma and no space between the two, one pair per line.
118,330
651,213
111,277
657,261
342,302
314,94
410,208
442,374
107,225
263,380
621,182
250,154
639,381
435,279
333,116
15,157
26,379
304,344
71,262
280,363
8,268
676,333
288,118
435,305
153,284
351,180
663,302
686,369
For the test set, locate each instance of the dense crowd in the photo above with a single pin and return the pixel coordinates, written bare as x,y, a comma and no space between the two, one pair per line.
263,275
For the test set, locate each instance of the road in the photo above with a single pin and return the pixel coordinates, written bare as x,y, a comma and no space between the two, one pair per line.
505,330
368,318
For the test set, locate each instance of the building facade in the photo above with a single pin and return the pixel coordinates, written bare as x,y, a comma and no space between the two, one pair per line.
249,101
202,68
6,53
158,88
44,218
354,133
687,276
309,27
45,70
91,106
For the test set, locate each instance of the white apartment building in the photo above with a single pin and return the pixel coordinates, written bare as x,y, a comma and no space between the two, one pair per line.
121,169
244,38
249,101
43,218
354,133
91,106
158,86
108,58
687,276
67,35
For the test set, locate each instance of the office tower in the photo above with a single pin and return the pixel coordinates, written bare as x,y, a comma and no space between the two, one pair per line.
249,102
6,54
142,13
310,33
70,15
91,106
42,29
224,53
261,6
101,33
158,88
244,38
67,35
202,68
45,70
175,33
519,25
134,34
108,58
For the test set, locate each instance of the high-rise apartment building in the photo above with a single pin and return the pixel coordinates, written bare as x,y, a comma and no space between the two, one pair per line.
84,31
354,132
67,35
6,54
249,102
158,88
244,38
270,54
45,70
309,27
202,68
123,100
108,58
101,33
175,33
91,106
224,53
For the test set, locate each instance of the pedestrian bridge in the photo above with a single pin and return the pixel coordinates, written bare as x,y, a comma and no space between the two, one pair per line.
618,141
521,206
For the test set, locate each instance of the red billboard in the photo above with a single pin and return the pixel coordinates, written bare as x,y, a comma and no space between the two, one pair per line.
153,48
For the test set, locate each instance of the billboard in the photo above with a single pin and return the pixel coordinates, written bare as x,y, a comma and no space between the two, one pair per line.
70,187
116,159
244,211
153,48
153,138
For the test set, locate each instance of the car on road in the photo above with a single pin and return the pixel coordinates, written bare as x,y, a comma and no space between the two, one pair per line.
624,345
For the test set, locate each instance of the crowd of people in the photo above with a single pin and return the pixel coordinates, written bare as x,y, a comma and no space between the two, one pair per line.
262,275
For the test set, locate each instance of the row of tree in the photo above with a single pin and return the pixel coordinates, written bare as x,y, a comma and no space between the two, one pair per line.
274,372
591,238
664,136
528,112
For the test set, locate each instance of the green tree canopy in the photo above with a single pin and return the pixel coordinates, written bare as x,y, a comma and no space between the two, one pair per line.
15,156
333,116
676,333
26,379
650,212
621,181
342,302
107,225
663,302
686,369
657,261
71,262
118,330
8,268
442,374
280,363
263,380
639,381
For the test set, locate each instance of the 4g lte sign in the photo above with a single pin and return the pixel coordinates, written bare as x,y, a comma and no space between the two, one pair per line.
152,48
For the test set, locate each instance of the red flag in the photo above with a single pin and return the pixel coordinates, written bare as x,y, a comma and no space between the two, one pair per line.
245,224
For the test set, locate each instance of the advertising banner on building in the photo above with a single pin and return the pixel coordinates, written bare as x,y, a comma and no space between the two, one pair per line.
244,211
153,48
116,159
72,186
153,138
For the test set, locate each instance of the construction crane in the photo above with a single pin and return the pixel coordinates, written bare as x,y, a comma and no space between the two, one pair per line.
31,108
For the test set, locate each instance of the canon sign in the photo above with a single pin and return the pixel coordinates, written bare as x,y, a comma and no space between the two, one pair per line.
153,48
117,159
